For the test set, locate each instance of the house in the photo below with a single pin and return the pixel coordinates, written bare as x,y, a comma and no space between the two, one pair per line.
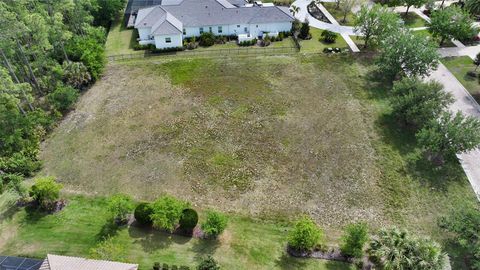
166,25
56,262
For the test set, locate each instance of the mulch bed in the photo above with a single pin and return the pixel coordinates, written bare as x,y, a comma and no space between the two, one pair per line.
317,13
332,254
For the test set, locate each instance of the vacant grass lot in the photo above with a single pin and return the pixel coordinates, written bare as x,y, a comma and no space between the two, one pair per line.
82,227
268,137
338,14
459,66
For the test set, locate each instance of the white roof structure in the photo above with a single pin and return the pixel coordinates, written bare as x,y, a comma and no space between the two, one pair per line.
56,262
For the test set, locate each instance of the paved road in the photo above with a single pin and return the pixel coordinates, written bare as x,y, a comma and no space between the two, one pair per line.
463,102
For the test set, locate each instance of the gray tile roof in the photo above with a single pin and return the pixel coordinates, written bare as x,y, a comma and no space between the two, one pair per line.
197,13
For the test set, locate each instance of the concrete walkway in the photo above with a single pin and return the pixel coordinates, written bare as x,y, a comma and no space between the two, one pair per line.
465,103
344,31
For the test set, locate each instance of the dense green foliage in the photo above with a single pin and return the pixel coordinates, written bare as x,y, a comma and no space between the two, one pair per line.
329,36
48,51
397,249
410,3
305,235
142,213
45,191
214,224
208,264
206,39
304,30
166,212
405,54
464,222
120,206
451,23
473,6
189,220
416,103
354,240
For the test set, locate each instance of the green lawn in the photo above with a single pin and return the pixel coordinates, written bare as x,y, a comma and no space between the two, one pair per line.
412,20
426,33
315,45
459,66
338,14
81,228
120,40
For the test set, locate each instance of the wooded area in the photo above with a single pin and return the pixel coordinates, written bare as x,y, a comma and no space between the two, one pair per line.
50,51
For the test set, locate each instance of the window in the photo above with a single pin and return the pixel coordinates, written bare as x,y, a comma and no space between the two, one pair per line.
210,29
238,25
168,40
201,30
257,25
184,31
220,30
245,29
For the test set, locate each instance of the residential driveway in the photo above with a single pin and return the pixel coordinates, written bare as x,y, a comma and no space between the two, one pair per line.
463,102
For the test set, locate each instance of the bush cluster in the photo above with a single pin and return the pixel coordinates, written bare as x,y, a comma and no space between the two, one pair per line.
305,236
247,43
45,191
329,36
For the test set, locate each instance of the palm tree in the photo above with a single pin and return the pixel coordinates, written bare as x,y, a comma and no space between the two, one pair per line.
76,74
294,9
473,6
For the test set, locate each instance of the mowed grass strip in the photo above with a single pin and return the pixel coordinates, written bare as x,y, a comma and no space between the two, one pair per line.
82,227
460,66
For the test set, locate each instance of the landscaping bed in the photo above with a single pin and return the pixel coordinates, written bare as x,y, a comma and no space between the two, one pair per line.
460,67
316,12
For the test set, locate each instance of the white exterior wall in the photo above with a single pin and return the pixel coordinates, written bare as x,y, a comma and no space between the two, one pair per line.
235,29
143,33
176,39
255,29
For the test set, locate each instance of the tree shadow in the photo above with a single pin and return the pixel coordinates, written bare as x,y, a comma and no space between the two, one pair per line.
34,214
288,262
151,239
377,85
204,247
109,229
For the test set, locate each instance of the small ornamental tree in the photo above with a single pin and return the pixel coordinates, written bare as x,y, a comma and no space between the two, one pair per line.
166,212
448,135
305,235
373,23
142,213
405,54
304,30
119,206
215,224
476,61
415,102
451,23
189,220
208,264
206,39
329,36
354,239
45,191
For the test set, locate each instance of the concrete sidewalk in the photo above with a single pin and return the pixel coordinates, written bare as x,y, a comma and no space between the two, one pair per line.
465,103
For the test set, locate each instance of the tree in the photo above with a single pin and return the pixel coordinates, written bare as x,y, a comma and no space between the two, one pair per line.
120,206
107,11
304,30
166,212
473,6
346,7
45,191
189,220
373,23
354,239
464,222
405,54
76,74
208,264
448,135
63,98
215,224
294,9
206,39
415,3
397,249
416,103
305,235
476,61
451,23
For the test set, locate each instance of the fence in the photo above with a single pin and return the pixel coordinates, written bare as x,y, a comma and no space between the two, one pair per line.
209,53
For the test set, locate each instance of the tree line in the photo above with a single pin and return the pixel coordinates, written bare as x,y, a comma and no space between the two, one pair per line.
50,51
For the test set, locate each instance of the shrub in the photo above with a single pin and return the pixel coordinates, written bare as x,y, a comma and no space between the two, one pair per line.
12,182
76,74
329,36
45,191
472,74
142,214
63,98
207,39
119,206
215,224
354,239
189,220
166,212
305,236
208,263
305,31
